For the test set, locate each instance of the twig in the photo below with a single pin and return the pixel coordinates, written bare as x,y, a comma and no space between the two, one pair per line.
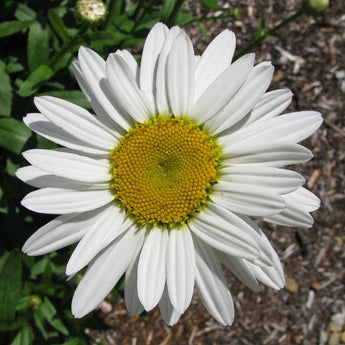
335,127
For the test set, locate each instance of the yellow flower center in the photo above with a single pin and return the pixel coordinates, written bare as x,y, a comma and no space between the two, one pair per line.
163,170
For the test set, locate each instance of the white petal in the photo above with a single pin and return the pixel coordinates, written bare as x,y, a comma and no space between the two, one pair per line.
125,90
169,314
132,301
288,129
41,179
42,126
215,59
75,120
267,275
240,269
105,229
266,251
225,231
180,268
211,284
88,91
152,268
277,267
271,104
281,180
305,198
294,215
152,48
131,62
222,89
248,199
272,154
63,201
180,75
93,68
60,232
105,271
69,165
161,82
244,100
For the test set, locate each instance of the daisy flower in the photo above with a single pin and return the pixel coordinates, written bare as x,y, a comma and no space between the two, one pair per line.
164,183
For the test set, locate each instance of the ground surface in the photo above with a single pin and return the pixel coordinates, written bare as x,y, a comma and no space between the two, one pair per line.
309,58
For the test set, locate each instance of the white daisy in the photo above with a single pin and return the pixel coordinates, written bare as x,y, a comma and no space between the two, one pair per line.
164,183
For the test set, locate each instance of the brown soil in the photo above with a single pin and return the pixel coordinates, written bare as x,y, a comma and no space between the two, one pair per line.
309,59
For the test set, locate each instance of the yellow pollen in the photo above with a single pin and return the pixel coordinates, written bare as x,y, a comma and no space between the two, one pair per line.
163,170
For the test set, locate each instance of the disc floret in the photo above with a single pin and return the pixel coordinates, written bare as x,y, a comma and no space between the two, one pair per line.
163,170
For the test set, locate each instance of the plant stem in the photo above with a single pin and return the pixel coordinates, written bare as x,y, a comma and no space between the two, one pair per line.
204,17
270,32
67,46
138,9
173,15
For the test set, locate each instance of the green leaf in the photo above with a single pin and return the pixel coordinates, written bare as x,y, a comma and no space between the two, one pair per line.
39,267
12,27
58,25
103,38
212,4
37,77
39,322
43,143
13,135
11,167
168,7
24,12
260,29
114,12
170,11
65,61
3,209
148,22
75,341
204,31
184,19
10,285
49,311
5,91
13,66
24,302
74,96
4,257
132,41
25,336
59,326
11,326
124,24
38,46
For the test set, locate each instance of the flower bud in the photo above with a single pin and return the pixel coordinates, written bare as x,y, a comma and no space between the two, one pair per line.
35,302
315,7
91,12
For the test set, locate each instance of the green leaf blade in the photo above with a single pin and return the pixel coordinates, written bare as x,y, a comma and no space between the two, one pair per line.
10,286
24,12
13,135
212,4
12,27
38,46
25,336
5,91
38,76
58,25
